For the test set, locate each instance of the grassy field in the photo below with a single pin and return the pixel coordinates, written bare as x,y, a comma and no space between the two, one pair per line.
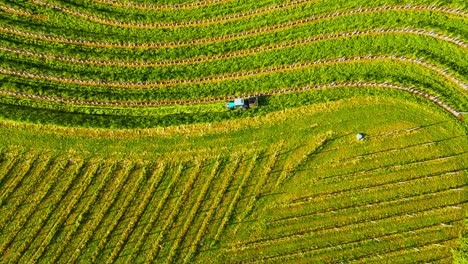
116,147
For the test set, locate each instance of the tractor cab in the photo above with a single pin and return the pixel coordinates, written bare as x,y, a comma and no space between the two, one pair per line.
242,103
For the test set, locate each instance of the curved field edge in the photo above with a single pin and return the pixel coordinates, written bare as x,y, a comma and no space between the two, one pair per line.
395,130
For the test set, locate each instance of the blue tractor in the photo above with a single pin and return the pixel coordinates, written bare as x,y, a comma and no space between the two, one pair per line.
242,103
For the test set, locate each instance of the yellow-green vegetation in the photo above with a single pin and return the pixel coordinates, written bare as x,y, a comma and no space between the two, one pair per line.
116,146
299,189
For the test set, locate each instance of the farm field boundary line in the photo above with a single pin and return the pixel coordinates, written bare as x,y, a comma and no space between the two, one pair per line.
141,6
240,53
172,25
411,90
236,75
243,34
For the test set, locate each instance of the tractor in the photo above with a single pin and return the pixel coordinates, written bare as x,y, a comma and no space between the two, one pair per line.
242,103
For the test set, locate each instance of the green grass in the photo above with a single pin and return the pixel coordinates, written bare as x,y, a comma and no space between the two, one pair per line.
377,188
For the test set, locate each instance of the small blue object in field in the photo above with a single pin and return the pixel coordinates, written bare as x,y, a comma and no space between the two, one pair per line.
360,136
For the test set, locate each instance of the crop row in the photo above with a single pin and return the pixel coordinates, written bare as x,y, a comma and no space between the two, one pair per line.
259,187
120,179
345,185
9,161
88,178
20,12
365,212
111,17
240,53
72,172
24,193
395,244
412,90
340,184
438,251
192,214
422,159
237,75
240,192
143,6
155,181
455,63
202,196
354,233
139,174
207,220
155,215
171,219
173,25
105,175
34,111
295,163
369,197
18,174
244,34
346,200
136,185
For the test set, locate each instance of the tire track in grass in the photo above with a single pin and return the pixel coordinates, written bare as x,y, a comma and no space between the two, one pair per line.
240,53
166,7
173,25
234,36
238,75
